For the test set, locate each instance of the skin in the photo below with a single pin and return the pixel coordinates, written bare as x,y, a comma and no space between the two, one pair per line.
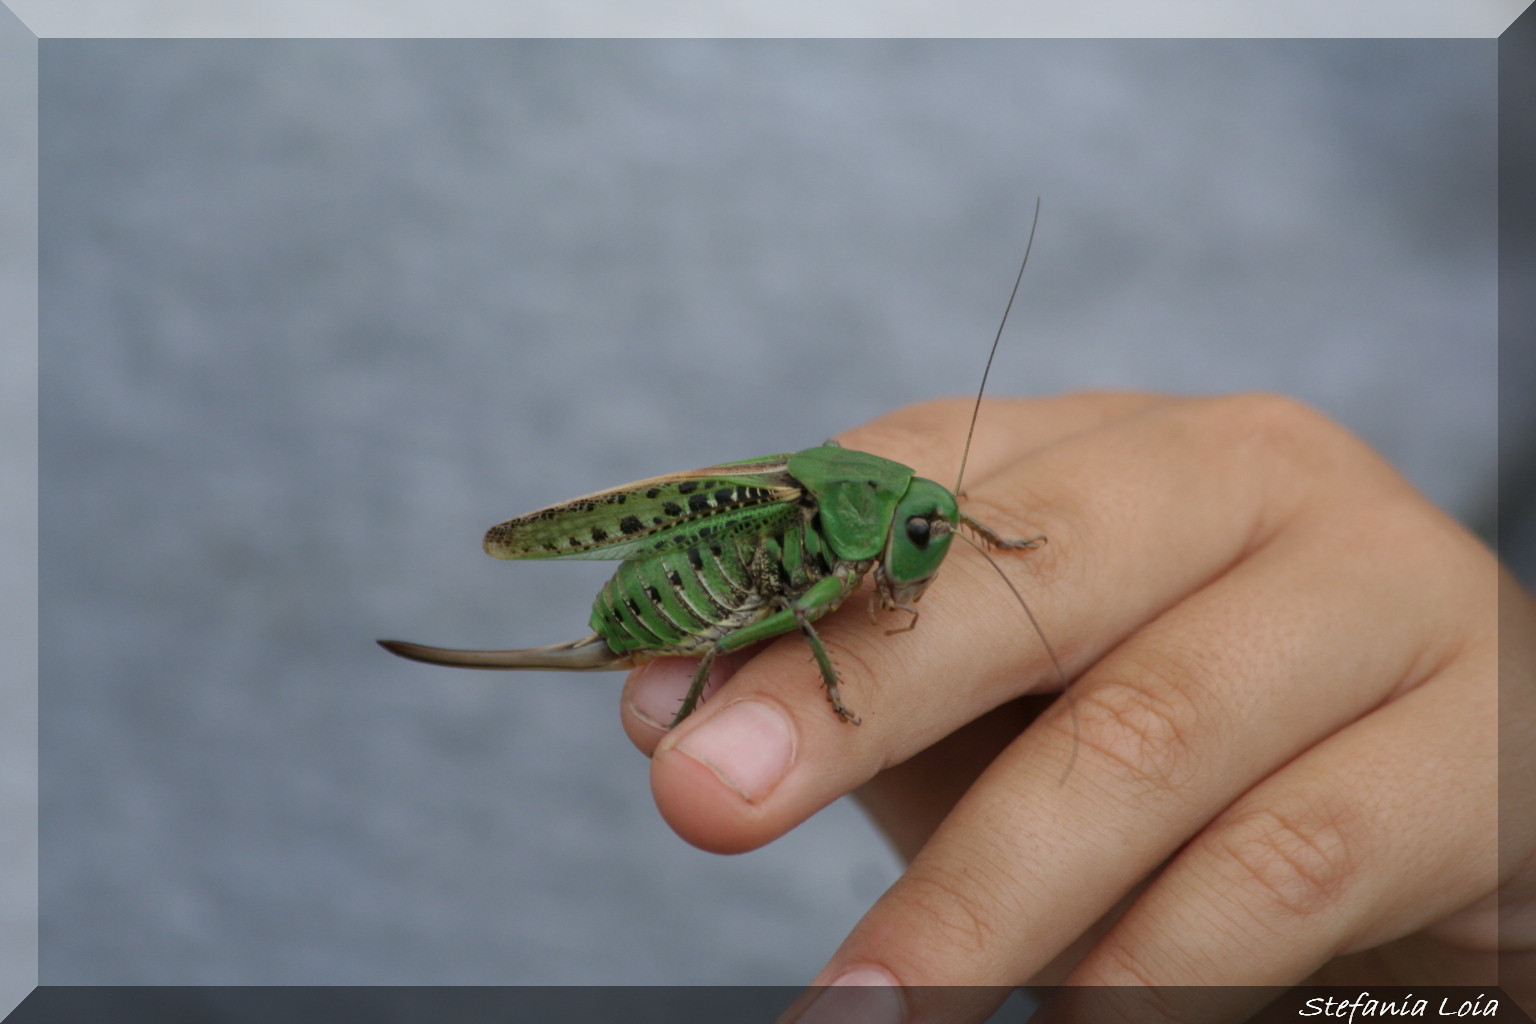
1277,763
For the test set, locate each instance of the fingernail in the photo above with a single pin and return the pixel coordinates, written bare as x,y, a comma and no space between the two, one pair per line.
863,995
655,695
748,745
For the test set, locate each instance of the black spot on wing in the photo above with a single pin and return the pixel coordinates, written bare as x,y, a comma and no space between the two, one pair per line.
631,524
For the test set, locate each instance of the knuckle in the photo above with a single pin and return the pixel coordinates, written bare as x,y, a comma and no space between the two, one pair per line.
1289,864
1266,416
1272,428
1140,730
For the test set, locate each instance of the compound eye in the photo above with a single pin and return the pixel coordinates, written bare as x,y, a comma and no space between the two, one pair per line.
918,531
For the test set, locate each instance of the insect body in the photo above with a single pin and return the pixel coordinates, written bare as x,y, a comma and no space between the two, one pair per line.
720,558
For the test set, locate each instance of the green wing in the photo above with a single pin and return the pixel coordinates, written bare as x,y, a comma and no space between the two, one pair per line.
664,513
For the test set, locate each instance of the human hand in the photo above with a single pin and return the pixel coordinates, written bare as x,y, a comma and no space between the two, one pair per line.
1281,737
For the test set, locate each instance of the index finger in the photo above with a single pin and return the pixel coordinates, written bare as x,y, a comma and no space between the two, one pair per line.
932,439
764,753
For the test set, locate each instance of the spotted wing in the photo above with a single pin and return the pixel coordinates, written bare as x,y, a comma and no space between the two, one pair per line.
664,513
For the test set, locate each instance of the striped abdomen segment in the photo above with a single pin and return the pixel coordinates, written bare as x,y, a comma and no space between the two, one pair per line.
681,602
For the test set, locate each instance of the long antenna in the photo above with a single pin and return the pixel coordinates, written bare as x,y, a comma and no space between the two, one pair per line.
979,391
1061,674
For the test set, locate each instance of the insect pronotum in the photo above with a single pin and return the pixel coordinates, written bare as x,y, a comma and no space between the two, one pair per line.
716,559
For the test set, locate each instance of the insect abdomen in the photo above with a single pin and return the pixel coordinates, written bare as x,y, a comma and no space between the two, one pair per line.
681,602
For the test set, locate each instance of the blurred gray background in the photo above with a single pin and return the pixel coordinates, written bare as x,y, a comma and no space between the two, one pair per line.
315,314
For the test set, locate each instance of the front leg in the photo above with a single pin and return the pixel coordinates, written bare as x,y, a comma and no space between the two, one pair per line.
995,539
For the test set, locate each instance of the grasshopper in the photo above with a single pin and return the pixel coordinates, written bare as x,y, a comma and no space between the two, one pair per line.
716,559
